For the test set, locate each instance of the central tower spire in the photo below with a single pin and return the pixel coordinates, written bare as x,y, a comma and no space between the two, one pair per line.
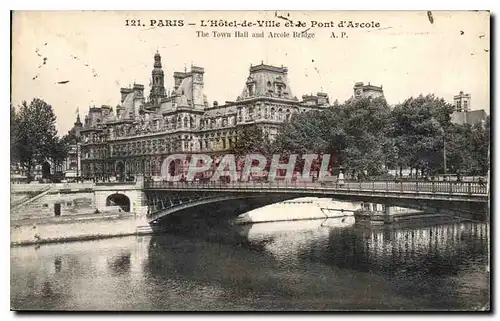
157,87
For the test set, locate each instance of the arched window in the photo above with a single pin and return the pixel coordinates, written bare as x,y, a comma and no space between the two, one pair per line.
280,114
185,122
273,113
250,113
250,90
191,122
240,115
158,166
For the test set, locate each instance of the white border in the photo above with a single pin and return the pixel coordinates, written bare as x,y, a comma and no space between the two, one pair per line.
492,5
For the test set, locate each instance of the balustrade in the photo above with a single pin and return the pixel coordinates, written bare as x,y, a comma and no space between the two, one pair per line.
454,188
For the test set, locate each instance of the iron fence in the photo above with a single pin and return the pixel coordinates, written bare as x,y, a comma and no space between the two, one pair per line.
454,188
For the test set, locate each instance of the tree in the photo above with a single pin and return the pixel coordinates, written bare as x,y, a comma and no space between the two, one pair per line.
481,142
305,133
61,149
418,130
251,140
459,154
36,138
467,149
353,133
14,136
365,124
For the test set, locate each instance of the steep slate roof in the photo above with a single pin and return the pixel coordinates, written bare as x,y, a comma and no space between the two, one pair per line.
128,104
265,77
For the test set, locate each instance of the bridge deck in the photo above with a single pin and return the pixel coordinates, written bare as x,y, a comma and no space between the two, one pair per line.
421,190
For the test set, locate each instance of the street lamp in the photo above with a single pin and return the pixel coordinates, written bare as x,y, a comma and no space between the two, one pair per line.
444,153
77,160
444,149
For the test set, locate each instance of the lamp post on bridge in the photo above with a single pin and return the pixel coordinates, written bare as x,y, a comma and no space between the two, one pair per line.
444,150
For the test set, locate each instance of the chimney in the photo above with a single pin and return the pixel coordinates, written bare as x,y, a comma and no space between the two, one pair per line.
178,76
139,90
124,92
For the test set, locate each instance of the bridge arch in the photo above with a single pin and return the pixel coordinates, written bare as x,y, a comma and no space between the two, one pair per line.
121,200
160,206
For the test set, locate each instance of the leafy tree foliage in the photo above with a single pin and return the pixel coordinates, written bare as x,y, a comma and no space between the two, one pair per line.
34,140
354,133
419,129
306,133
251,140
367,136
467,149
365,122
14,136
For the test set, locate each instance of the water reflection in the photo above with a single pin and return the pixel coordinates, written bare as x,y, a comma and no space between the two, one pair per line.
119,264
304,265
57,264
427,261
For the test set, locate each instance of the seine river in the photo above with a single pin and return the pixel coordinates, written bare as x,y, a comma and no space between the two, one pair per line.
302,265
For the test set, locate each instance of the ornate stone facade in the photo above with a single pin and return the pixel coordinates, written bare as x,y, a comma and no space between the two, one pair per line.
142,132
367,91
72,167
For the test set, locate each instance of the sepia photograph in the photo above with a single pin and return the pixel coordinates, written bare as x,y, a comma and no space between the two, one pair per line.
250,161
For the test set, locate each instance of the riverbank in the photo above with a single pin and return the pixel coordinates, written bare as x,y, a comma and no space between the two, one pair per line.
75,228
92,226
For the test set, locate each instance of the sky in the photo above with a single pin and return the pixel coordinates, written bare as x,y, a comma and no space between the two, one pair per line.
94,53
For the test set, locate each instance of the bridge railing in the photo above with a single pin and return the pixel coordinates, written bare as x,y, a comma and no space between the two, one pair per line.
468,188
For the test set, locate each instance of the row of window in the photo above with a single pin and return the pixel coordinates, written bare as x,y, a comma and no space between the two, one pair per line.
189,122
161,146
155,146
133,167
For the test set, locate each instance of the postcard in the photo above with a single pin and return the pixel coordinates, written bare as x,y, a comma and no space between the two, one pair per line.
250,161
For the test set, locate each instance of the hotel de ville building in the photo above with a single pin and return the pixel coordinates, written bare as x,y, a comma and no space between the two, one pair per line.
144,129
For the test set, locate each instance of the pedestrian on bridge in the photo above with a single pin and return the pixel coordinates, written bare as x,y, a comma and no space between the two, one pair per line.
340,178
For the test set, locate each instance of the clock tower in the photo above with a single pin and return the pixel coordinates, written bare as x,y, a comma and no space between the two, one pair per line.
157,84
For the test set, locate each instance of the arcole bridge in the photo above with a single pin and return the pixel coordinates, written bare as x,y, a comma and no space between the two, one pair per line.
156,200
467,199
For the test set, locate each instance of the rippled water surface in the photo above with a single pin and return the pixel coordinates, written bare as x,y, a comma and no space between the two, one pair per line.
306,265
